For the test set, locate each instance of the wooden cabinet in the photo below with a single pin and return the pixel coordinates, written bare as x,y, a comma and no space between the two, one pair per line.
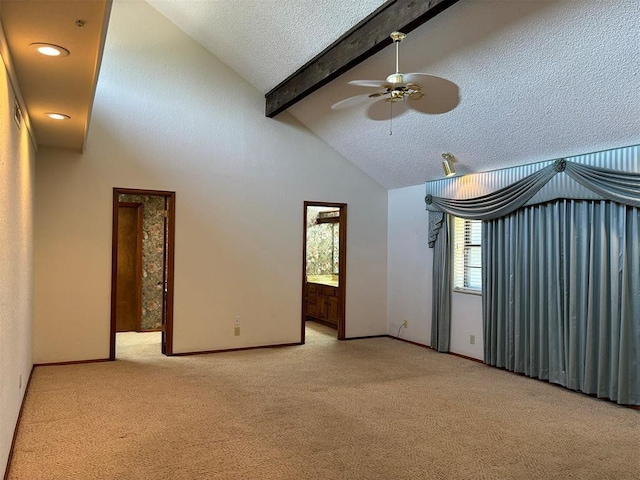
323,303
312,300
332,308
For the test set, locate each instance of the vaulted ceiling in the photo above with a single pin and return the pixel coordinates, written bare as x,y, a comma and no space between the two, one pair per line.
538,79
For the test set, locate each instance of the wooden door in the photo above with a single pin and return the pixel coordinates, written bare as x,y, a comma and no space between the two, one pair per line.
129,267
165,273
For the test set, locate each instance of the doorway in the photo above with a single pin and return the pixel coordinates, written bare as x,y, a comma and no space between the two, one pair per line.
324,263
142,265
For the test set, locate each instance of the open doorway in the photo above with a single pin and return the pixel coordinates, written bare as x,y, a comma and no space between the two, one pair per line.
324,266
142,267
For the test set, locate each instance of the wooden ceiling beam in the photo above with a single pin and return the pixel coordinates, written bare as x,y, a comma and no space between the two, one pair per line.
364,40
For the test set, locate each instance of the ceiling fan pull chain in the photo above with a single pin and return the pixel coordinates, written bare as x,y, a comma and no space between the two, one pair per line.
391,118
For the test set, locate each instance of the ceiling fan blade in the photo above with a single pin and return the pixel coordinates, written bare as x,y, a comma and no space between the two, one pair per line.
440,94
417,77
371,83
382,110
350,102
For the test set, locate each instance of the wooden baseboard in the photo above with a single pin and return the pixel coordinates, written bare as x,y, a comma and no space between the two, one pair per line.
467,358
366,337
73,362
15,430
409,341
223,350
427,346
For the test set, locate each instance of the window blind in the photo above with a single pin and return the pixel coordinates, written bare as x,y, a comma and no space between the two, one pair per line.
467,261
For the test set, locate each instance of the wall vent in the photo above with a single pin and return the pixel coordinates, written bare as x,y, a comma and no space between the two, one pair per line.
17,113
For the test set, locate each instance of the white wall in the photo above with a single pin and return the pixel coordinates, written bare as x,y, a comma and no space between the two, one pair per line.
409,265
17,156
410,262
170,116
466,320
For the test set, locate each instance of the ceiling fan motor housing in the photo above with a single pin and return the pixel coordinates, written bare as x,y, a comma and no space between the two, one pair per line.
395,78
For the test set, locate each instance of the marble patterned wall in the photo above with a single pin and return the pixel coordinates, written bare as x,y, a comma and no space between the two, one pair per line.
152,258
322,245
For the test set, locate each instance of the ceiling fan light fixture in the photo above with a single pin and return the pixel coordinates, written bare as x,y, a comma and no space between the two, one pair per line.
49,49
447,165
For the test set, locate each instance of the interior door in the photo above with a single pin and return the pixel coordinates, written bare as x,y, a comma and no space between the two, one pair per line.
129,267
165,263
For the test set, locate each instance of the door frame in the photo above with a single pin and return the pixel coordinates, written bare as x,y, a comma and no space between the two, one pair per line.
170,205
342,265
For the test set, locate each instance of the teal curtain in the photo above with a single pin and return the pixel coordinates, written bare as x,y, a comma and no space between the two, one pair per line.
561,280
441,285
562,295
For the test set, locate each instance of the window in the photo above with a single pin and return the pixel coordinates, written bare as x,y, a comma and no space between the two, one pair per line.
467,261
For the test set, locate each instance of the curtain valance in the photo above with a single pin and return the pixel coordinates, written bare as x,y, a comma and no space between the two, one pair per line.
620,187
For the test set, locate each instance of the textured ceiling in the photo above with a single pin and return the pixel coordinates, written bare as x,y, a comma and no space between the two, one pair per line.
265,41
538,79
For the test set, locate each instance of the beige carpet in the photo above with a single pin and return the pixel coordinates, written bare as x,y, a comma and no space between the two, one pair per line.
363,409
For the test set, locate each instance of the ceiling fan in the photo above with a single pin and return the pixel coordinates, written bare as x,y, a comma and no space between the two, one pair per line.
419,91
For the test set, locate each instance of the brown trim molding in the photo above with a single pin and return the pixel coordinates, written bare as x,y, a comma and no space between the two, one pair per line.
449,353
409,341
224,350
468,358
365,337
428,347
15,430
73,362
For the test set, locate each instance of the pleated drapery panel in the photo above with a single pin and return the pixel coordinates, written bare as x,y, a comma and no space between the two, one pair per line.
441,287
562,295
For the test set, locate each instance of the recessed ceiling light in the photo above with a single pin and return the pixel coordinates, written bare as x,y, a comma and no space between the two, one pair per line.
57,116
49,49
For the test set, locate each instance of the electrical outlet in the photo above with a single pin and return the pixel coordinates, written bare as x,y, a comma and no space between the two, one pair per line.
236,321
405,324
236,331
472,339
